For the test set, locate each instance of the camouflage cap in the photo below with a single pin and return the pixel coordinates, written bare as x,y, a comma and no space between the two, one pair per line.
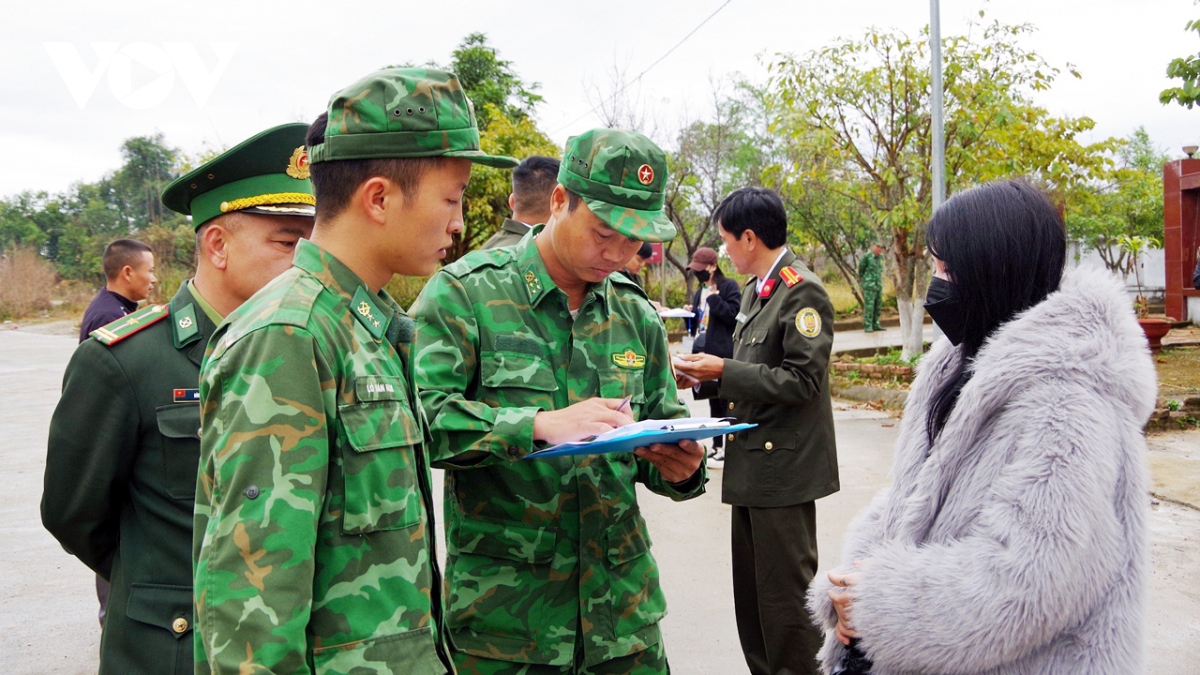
403,112
266,173
621,177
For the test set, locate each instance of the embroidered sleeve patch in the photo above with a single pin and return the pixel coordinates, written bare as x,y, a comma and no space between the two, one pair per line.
808,322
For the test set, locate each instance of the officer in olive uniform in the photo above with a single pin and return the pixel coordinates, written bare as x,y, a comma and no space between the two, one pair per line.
120,478
778,379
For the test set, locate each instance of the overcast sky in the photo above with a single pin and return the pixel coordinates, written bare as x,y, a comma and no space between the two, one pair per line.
66,106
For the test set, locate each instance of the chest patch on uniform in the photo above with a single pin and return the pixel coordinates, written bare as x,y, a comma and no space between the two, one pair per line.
808,322
186,395
629,359
790,276
741,317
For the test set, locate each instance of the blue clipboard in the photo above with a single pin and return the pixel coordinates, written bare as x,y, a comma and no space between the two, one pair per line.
638,440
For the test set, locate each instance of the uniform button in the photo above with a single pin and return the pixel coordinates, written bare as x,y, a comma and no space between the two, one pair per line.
198,432
514,452
730,437
180,625
731,405
768,445
252,492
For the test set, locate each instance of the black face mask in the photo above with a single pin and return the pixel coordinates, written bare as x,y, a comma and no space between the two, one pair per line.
945,308
702,276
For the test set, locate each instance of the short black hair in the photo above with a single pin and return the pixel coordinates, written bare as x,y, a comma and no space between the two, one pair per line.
1004,246
532,183
646,251
756,209
334,182
120,253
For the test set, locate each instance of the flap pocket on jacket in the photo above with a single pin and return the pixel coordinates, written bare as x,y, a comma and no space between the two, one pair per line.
179,426
627,540
380,465
768,439
507,540
166,607
505,370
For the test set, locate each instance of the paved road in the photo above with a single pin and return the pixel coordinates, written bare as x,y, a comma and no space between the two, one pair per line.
47,603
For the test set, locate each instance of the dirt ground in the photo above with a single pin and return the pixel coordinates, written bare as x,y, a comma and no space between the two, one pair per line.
1178,372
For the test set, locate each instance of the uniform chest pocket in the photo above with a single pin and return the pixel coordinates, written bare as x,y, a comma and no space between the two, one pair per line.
511,378
380,457
179,427
622,382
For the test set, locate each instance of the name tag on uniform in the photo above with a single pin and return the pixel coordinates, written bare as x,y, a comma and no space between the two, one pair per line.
187,395
740,318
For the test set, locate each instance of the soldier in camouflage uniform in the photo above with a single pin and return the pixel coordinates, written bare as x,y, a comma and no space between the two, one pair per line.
123,444
314,532
549,568
870,280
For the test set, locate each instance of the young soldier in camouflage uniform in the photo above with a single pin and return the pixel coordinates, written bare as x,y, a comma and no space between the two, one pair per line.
870,280
314,535
121,468
549,568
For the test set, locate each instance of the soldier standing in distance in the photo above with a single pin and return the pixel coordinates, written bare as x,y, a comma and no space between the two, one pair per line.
129,278
314,542
120,477
532,182
778,379
870,280
549,568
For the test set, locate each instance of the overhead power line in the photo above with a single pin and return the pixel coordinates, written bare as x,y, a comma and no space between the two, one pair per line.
648,69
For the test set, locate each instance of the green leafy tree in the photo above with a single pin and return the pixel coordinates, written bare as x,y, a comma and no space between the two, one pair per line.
866,104
491,80
1127,204
1187,70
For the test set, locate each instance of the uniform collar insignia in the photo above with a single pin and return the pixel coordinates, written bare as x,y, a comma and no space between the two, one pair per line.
767,288
366,310
184,324
533,283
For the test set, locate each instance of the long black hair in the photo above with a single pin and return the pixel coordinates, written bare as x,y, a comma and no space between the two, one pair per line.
1004,247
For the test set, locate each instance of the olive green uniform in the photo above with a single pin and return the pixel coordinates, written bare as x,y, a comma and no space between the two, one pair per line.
510,232
121,478
778,379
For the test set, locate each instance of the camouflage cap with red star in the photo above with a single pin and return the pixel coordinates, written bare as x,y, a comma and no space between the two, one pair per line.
621,176
265,174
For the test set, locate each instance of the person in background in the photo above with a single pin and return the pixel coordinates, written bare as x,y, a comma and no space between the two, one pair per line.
129,278
716,305
870,280
1196,274
120,479
1013,539
532,182
633,269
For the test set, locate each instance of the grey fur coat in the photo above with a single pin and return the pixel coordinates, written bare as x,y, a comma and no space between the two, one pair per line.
1016,544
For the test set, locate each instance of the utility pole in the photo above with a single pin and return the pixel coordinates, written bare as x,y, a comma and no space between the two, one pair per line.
938,158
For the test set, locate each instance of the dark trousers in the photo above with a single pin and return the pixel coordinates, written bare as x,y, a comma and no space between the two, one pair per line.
102,595
774,559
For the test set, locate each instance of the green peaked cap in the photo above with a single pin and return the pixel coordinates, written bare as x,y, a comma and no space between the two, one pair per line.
403,112
266,173
621,176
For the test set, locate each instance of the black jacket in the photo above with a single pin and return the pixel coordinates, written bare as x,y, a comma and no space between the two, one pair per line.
104,309
723,308
1196,277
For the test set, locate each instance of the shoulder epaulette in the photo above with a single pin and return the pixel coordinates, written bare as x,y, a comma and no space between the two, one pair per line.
626,283
130,324
491,257
790,276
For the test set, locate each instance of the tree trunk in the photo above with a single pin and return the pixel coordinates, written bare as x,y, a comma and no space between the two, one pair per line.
910,294
912,326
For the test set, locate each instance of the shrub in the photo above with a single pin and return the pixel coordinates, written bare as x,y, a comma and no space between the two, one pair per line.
26,283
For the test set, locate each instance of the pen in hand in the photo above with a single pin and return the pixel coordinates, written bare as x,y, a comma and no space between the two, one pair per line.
624,403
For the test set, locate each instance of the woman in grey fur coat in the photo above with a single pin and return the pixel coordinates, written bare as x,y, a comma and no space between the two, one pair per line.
1013,538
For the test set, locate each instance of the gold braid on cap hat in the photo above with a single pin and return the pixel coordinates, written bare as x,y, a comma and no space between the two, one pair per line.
276,198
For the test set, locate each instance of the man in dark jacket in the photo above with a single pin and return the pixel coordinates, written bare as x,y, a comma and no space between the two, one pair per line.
778,379
120,480
1196,275
129,276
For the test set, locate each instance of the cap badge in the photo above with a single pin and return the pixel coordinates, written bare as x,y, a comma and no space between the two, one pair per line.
645,174
298,164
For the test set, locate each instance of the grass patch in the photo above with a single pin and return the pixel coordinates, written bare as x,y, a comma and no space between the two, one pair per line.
1178,371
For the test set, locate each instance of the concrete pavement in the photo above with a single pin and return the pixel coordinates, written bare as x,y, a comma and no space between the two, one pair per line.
48,606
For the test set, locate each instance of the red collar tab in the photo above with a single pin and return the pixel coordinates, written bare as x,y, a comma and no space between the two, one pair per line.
767,288
790,276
